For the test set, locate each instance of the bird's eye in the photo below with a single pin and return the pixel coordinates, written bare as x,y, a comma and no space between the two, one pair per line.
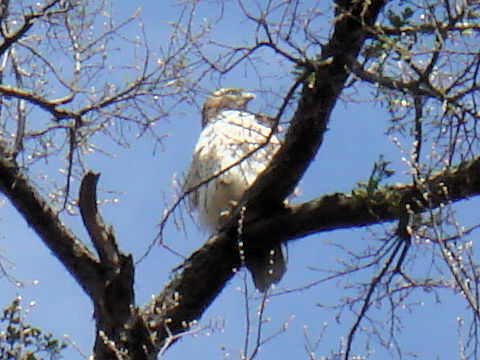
235,92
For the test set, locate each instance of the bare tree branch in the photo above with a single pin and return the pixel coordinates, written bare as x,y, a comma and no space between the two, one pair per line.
322,69
28,22
102,236
187,296
77,259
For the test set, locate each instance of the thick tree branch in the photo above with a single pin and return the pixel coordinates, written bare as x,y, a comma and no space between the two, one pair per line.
190,293
78,260
324,81
340,211
50,106
197,283
101,236
187,296
108,283
116,318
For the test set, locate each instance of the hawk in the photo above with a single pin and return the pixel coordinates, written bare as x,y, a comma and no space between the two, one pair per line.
234,147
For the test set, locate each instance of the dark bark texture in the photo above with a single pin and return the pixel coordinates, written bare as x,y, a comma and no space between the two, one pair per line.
127,331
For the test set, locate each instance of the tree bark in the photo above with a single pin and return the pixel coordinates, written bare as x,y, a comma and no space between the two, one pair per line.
108,278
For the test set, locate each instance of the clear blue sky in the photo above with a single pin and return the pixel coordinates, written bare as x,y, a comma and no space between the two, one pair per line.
143,180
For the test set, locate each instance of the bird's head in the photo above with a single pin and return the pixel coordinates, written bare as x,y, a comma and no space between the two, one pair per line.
224,99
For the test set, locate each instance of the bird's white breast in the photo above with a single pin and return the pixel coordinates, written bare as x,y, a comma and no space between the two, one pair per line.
231,151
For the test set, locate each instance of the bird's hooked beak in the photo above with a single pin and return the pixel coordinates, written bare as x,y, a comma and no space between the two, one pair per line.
248,96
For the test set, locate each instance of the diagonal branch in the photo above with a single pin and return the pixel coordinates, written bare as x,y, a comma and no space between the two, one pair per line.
50,106
324,82
340,211
28,22
78,260
188,295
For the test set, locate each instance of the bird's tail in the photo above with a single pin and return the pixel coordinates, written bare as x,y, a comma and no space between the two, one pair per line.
267,267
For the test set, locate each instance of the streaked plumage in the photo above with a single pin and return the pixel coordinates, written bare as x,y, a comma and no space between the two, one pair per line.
226,162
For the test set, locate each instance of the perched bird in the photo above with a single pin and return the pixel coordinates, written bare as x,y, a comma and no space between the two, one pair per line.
234,147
